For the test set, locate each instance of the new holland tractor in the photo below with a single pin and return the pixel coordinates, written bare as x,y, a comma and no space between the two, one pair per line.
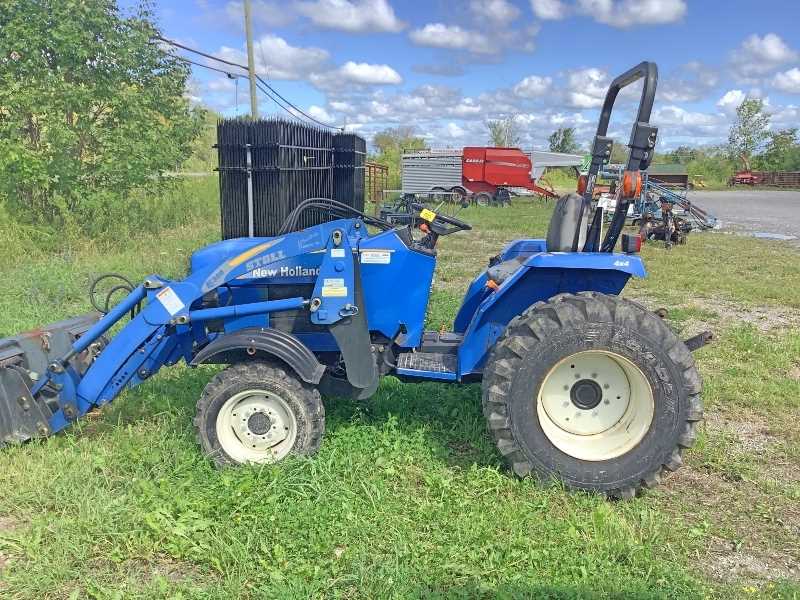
579,384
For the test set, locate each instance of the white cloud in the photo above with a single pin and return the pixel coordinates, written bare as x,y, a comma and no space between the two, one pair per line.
587,87
731,100
342,107
678,121
498,12
786,117
454,130
627,13
788,81
352,15
549,9
466,108
320,114
222,84
277,59
366,73
689,83
453,37
360,74
533,86
760,55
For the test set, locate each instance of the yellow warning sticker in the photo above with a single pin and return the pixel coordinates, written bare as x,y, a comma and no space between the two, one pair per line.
427,215
334,292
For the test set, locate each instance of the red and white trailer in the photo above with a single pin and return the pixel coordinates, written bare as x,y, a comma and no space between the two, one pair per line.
483,174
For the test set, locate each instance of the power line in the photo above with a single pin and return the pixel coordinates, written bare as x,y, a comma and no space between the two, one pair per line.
198,64
211,56
258,77
237,77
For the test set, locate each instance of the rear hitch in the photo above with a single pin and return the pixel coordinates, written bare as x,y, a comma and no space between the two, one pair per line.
700,340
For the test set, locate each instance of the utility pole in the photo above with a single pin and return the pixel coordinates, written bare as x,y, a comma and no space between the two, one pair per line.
251,65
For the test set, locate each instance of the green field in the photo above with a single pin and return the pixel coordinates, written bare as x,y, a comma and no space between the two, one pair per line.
408,497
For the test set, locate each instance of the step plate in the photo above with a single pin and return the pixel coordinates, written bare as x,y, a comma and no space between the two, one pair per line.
429,365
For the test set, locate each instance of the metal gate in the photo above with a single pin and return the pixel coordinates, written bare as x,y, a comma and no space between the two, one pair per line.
269,166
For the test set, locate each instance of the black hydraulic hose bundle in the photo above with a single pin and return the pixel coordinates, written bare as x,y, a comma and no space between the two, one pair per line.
332,206
126,285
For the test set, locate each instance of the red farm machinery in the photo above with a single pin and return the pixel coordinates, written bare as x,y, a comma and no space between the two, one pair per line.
479,174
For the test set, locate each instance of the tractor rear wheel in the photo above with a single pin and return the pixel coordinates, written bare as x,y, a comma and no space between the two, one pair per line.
258,412
593,390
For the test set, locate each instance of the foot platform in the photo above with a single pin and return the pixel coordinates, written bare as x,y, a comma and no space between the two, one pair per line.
428,365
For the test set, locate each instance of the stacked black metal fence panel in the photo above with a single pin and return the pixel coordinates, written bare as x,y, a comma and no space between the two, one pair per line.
290,162
350,158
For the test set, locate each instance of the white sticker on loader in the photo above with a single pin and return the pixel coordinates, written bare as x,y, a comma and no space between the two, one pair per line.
376,257
169,299
337,252
334,288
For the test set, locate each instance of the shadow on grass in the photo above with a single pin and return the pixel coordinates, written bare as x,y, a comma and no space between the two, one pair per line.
447,416
539,592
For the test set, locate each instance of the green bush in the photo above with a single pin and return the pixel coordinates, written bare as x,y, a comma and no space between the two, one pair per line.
92,113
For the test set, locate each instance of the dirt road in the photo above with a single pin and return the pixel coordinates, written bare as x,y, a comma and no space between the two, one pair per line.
774,213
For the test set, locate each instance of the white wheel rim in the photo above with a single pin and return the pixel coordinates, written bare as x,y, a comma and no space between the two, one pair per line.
595,405
256,426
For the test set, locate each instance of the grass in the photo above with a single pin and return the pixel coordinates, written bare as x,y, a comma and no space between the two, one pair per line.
408,497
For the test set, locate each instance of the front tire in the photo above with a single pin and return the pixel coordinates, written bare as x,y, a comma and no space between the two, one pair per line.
257,413
593,390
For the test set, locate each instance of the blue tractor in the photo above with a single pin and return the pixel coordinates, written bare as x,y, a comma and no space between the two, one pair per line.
579,384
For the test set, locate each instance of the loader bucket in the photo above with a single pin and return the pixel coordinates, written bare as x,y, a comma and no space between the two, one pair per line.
23,360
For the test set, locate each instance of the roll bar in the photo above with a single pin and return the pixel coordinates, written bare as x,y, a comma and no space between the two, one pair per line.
641,144
644,69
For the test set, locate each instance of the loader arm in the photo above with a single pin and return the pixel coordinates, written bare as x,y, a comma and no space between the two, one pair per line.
164,331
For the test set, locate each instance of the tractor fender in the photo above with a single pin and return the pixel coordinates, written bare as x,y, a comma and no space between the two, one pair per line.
250,343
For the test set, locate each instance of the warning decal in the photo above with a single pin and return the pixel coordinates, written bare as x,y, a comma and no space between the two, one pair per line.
334,288
376,257
169,300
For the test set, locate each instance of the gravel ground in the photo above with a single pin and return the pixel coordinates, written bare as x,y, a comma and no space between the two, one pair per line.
754,211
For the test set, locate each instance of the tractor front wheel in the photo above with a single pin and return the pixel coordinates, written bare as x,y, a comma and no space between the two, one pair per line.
593,390
258,412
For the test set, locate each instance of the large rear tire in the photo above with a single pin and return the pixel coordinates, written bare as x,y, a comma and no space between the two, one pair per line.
592,390
258,412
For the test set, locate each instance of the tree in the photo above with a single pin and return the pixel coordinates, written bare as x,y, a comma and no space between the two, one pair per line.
782,152
91,108
391,143
750,129
503,133
563,140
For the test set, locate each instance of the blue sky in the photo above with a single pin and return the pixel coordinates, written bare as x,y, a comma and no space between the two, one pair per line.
445,67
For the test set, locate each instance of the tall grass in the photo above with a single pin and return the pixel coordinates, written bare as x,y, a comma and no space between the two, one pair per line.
111,219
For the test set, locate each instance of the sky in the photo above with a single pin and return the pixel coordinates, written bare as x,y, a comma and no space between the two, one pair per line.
445,67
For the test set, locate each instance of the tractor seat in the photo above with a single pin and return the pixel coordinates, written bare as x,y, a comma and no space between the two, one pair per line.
568,225
566,233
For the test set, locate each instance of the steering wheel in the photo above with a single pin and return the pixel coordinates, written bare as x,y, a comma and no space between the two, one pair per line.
438,223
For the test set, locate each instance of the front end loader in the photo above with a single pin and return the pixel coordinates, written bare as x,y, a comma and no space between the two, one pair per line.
579,384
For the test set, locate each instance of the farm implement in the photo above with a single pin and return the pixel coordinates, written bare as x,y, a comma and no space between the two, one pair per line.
579,384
